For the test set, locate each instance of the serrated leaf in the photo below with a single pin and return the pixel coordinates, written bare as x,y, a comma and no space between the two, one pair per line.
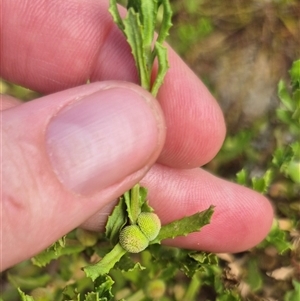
166,21
134,34
163,66
105,264
148,13
116,221
113,9
138,27
70,293
136,201
186,225
133,203
103,287
204,258
24,297
91,296
262,184
277,238
241,177
126,264
57,250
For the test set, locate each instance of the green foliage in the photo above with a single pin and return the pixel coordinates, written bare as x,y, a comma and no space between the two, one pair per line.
131,237
139,29
186,225
25,297
294,294
277,238
62,247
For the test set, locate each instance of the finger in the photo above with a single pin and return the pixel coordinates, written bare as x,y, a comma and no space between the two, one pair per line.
242,217
8,101
241,220
67,155
66,43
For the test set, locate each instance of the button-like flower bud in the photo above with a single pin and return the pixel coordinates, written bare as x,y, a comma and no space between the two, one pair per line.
132,239
149,224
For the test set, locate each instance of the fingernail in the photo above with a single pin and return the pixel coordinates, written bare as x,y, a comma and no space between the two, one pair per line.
99,140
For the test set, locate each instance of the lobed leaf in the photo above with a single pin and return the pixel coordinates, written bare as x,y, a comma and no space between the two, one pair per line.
57,250
116,221
166,21
24,297
134,34
113,9
163,66
185,226
103,287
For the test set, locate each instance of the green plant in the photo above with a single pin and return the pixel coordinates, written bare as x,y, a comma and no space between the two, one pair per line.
170,274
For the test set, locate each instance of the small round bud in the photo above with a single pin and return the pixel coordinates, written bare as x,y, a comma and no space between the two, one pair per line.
86,238
149,224
156,289
132,239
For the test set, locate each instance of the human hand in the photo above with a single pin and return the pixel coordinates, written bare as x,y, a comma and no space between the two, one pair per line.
68,155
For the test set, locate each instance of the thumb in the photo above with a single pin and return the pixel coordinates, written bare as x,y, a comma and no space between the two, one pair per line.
66,155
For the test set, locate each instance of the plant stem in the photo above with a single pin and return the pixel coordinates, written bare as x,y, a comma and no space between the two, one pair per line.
193,289
137,296
103,266
135,202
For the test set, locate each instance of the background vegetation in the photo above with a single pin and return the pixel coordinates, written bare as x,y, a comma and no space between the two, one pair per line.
243,51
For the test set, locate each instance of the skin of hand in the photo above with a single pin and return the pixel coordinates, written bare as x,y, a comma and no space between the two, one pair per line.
68,155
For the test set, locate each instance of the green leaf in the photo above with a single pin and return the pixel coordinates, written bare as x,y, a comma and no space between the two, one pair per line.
295,74
105,264
65,247
91,296
70,293
186,225
25,297
163,67
204,258
134,34
166,21
254,277
276,238
133,203
116,221
113,9
126,264
241,177
148,13
103,287
294,294
136,201
284,116
293,171
284,96
28,283
139,29
262,184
